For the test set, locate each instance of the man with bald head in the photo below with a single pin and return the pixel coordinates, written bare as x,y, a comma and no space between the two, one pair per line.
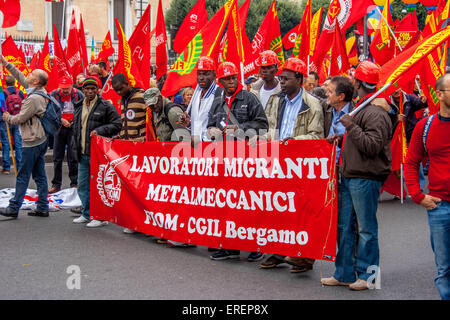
34,141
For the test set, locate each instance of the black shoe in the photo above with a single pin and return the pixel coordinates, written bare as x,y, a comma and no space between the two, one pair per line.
76,210
225,254
37,213
8,212
255,256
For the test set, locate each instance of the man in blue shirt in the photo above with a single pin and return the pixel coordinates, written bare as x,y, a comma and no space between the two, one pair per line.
339,102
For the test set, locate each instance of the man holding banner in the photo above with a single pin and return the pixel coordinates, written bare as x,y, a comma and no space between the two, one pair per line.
365,164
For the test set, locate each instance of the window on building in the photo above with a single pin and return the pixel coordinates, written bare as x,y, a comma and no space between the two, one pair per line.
57,16
139,7
119,14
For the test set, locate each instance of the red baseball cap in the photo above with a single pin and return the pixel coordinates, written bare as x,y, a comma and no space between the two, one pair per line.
65,82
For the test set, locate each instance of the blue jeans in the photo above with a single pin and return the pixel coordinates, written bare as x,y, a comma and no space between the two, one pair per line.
32,164
439,221
84,172
357,207
16,138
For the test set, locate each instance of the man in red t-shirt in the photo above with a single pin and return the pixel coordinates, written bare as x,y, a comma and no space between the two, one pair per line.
431,139
67,96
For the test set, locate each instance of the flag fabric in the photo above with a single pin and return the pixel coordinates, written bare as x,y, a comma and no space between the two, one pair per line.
314,32
429,73
161,39
205,43
125,63
82,42
404,66
11,12
407,31
107,49
398,142
140,44
12,54
34,61
301,47
338,57
290,37
93,51
73,53
191,25
44,61
382,47
346,12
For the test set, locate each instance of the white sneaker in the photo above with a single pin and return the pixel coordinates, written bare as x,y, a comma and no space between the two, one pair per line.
96,224
80,219
128,231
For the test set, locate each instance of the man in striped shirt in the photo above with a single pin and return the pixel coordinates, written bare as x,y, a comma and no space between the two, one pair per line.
133,109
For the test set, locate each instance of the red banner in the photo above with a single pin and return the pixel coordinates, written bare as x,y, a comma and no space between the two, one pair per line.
271,198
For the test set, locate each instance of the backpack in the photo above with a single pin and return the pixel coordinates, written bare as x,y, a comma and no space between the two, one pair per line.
13,102
426,129
51,120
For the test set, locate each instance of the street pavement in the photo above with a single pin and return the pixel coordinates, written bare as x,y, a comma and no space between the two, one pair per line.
41,257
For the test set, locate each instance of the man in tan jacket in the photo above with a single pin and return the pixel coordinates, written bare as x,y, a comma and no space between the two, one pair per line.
34,142
293,114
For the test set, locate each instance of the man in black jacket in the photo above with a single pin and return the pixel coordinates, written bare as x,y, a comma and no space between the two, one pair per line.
236,112
93,116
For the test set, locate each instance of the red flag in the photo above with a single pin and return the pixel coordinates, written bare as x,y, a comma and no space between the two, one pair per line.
393,185
59,62
404,66
347,12
301,46
12,55
382,47
34,61
82,42
11,12
205,43
140,43
73,53
161,39
338,59
289,38
107,49
125,63
44,59
407,31
429,72
192,24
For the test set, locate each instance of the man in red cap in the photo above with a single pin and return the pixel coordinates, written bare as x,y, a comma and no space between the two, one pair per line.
293,114
196,115
67,96
365,164
238,114
268,84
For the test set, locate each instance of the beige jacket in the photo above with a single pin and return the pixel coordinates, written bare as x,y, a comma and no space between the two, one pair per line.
309,122
33,107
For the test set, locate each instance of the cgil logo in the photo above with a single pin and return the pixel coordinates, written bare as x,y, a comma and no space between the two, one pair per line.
108,182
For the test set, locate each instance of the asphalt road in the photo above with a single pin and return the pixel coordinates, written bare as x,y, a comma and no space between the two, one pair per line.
41,257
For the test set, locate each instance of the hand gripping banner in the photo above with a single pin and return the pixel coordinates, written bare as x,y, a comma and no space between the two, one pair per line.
272,197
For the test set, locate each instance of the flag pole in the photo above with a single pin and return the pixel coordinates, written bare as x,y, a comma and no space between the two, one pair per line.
365,103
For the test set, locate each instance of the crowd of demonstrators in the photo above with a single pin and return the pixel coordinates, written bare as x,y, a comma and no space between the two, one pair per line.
13,103
430,139
286,104
68,97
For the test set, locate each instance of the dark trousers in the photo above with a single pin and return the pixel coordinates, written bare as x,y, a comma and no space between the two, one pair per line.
32,165
62,140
